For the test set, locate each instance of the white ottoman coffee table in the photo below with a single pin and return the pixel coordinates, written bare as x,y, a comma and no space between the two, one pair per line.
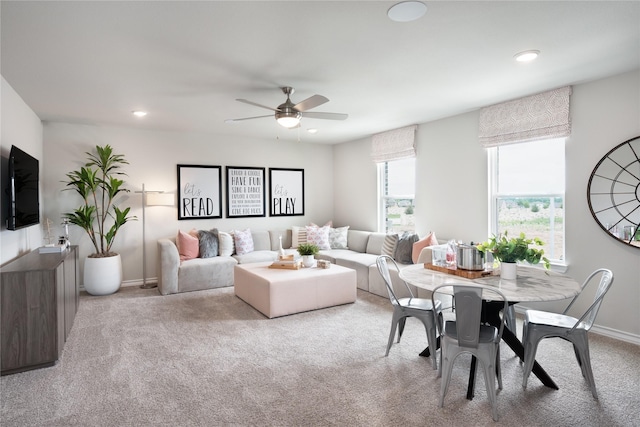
278,292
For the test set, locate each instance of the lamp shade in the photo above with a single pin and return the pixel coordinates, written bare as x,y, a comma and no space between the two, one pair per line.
159,199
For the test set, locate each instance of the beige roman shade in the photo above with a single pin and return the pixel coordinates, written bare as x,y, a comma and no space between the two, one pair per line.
394,145
536,117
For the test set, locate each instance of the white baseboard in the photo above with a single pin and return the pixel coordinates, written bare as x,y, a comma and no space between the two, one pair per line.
603,330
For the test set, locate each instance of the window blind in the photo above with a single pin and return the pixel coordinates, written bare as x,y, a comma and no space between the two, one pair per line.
536,117
394,145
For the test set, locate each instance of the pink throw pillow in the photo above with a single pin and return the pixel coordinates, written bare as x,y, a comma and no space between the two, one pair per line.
188,245
428,240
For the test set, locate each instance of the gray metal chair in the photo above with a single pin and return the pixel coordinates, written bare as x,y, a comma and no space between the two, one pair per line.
420,308
541,324
466,334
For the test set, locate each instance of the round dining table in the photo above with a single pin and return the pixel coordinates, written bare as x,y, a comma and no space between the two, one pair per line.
531,284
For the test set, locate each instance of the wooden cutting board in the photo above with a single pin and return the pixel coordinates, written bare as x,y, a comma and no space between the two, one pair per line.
467,274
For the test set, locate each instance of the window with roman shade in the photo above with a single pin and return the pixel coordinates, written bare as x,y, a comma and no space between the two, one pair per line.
394,145
536,117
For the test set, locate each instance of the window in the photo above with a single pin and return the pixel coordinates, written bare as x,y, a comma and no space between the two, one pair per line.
397,180
527,184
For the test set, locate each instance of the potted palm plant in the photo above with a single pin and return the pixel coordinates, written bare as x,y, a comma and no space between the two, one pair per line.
307,251
510,250
98,184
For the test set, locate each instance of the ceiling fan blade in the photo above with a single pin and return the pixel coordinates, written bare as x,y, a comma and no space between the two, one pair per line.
246,118
311,102
255,104
326,116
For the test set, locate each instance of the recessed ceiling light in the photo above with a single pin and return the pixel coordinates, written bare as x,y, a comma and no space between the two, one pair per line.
527,56
312,130
139,113
407,11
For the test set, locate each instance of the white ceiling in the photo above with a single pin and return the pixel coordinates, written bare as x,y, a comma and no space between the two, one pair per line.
186,62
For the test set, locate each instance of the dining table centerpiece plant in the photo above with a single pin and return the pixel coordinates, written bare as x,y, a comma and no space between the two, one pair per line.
99,185
510,250
307,251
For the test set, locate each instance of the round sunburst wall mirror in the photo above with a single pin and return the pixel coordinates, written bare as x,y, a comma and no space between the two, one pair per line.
613,192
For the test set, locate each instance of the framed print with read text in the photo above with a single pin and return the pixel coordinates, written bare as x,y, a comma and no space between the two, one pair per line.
286,192
199,192
245,192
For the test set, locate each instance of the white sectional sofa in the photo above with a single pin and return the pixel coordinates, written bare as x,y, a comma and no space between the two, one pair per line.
364,247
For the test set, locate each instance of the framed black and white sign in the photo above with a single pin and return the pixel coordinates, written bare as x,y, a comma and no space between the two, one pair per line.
245,192
286,192
199,192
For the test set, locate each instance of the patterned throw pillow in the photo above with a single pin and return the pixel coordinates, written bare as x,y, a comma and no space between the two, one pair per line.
319,236
338,237
243,241
389,245
298,236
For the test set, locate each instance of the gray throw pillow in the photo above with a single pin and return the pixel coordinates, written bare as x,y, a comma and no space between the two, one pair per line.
405,247
208,243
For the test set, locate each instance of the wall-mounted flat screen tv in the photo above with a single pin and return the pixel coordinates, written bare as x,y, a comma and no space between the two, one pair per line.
24,205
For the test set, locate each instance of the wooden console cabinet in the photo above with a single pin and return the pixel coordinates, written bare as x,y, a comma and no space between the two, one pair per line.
39,298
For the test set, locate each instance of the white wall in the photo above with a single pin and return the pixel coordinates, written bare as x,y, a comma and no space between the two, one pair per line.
19,126
452,192
153,158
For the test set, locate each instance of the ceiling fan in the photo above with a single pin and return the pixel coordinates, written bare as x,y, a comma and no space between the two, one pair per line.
289,114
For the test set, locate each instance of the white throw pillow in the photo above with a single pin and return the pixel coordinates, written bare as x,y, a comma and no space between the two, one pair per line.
225,244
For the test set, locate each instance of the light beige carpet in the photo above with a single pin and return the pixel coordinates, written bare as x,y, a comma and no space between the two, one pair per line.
206,358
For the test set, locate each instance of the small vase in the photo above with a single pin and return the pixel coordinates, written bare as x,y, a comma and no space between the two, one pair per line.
308,260
281,252
508,270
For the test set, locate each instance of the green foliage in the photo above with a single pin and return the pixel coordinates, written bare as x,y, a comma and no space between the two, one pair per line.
535,208
514,249
307,249
409,210
97,184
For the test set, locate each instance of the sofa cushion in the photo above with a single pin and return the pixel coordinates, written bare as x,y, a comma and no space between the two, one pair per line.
357,240
405,247
261,240
243,241
188,245
256,256
208,243
338,237
318,236
205,273
375,242
428,240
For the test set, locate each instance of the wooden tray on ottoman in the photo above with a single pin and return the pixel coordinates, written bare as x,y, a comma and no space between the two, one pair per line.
467,274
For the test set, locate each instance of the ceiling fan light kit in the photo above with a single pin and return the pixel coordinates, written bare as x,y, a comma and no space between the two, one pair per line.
288,114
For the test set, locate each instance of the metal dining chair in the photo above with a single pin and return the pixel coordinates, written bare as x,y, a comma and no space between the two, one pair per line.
420,308
466,334
541,324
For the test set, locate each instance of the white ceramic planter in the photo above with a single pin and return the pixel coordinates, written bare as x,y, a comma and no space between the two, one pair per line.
508,270
308,260
102,276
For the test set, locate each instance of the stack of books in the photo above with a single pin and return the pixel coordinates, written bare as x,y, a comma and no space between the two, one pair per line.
287,262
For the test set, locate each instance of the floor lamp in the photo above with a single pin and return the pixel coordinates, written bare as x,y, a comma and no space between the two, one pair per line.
151,198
